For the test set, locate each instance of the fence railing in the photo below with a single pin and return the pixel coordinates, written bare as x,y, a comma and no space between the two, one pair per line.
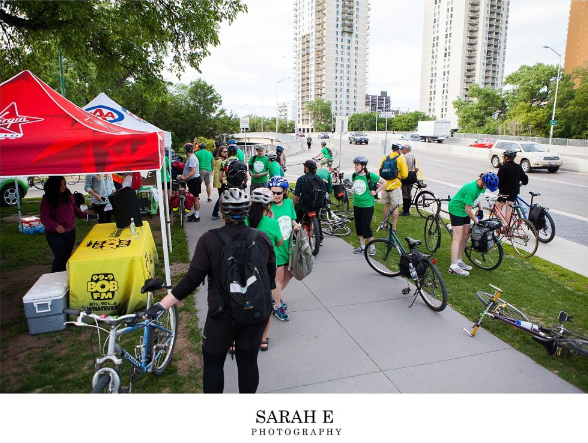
541,140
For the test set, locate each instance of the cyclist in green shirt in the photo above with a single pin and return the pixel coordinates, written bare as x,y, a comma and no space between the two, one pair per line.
205,159
275,170
258,168
365,190
325,156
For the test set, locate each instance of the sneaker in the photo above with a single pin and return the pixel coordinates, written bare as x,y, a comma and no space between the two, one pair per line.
191,217
209,199
371,251
358,250
464,266
405,214
455,269
195,219
281,314
216,217
283,305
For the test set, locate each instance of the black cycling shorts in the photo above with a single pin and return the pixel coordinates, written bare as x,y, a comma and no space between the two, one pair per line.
221,330
459,221
363,221
194,186
511,198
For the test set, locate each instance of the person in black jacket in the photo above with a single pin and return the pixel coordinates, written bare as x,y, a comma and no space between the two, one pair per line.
510,178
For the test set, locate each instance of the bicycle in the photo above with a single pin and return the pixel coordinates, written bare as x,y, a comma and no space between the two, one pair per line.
545,233
152,355
332,224
73,179
36,182
388,257
556,339
342,187
519,231
180,190
433,222
423,201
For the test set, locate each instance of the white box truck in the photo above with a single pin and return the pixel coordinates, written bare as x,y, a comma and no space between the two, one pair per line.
434,131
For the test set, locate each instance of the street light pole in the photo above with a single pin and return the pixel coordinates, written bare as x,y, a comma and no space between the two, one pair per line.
267,95
555,98
277,106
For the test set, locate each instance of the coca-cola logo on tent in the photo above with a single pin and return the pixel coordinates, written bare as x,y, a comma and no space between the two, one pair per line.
11,122
107,113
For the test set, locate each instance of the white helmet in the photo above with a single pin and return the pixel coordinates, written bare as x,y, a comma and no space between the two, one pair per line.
271,155
262,195
235,204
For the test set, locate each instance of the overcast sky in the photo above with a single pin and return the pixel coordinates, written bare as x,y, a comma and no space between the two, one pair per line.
257,50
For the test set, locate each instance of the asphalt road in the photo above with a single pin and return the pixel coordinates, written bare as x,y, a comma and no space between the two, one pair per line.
563,192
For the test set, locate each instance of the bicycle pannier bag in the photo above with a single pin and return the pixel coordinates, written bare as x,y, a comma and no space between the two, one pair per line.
338,192
244,286
301,258
482,240
314,193
537,217
417,259
189,200
389,169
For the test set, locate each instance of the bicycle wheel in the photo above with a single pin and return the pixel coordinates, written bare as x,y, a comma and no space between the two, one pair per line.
163,343
432,233
38,182
547,233
579,345
181,211
484,297
314,235
386,259
432,289
336,229
343,207
73,179
523,237
488,260
426,203
104,385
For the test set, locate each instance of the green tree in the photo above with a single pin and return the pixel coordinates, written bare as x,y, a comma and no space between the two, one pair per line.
365,121
480,112
117,39
320,114
408,121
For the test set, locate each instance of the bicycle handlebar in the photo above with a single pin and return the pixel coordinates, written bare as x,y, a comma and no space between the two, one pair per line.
104,318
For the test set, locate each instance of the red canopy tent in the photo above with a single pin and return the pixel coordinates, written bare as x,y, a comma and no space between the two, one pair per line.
43,133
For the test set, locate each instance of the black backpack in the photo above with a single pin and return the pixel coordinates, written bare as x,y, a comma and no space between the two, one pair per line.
537,217
245,288
389,169
314,193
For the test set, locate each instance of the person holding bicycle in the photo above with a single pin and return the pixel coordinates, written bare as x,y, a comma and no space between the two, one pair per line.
325,157
366,186
303,193
191,175
510,178
221,329
462,214
396,171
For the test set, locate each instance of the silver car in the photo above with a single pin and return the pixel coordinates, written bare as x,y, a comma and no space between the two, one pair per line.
530,155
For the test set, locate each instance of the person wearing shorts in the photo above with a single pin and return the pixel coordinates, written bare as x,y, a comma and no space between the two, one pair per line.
205,159
191,176
462,214
392,194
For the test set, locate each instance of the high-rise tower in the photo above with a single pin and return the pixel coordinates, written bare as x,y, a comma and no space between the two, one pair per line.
330,55
577,41
464,42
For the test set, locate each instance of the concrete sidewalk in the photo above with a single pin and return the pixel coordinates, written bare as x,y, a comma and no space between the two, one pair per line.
351,331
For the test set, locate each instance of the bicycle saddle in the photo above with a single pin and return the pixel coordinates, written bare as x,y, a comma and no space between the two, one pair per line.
152,284
412,242
534,194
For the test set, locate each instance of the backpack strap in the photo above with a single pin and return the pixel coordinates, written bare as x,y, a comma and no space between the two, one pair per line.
222,235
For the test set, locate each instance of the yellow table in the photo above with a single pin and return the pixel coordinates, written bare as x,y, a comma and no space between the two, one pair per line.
106,272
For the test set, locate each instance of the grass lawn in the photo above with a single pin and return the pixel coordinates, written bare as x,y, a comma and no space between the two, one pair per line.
63,362
538,288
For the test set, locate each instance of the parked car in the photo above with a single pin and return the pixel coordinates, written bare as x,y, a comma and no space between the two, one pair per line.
358,138
404,137
323,135
415,137
530,155
8,190
483,143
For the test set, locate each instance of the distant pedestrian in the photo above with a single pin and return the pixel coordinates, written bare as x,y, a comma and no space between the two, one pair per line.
309,142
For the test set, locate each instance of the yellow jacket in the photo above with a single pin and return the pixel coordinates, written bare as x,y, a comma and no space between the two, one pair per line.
402,171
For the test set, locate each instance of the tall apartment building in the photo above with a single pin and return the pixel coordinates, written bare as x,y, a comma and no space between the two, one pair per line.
286,110
577,41
464,42
330,56
377,103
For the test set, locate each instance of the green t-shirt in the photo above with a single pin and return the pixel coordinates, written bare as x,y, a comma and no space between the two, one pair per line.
259,165
275,170
326,154
284,214
272,228
240,155
327,178
361,192
165,170
467,195
205,159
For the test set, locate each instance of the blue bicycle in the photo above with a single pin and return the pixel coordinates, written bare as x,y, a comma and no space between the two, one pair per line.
153,353
539,216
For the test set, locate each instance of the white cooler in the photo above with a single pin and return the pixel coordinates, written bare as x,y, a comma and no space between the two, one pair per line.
45,302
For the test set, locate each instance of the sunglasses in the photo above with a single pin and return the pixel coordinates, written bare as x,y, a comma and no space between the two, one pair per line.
278,193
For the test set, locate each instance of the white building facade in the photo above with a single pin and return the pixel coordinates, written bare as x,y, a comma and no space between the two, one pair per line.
464,42
330,56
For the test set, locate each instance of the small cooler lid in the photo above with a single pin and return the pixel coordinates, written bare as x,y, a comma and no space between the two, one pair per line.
48,287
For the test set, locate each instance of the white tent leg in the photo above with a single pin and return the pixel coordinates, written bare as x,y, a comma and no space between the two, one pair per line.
18,203
164,229
167,219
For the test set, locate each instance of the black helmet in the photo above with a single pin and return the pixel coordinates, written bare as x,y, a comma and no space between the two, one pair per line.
234,204
510,154
232,149
202,145
189,147
279,149
236,173
396,147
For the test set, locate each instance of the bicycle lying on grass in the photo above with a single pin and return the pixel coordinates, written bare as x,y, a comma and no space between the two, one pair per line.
333,224
556,339
153,353
388,257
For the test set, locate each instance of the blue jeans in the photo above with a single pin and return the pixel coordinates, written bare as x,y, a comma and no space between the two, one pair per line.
62,246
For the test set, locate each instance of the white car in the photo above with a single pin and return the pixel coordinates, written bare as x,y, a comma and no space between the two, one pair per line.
530,155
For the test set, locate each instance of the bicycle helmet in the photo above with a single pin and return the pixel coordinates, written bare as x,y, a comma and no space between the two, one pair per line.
236,172
323,143
279,149
232,149
235,204
202,145
271,155
262,195
259,148
189,147
490,179
278,182
361,159
510,154
232,142
395,147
